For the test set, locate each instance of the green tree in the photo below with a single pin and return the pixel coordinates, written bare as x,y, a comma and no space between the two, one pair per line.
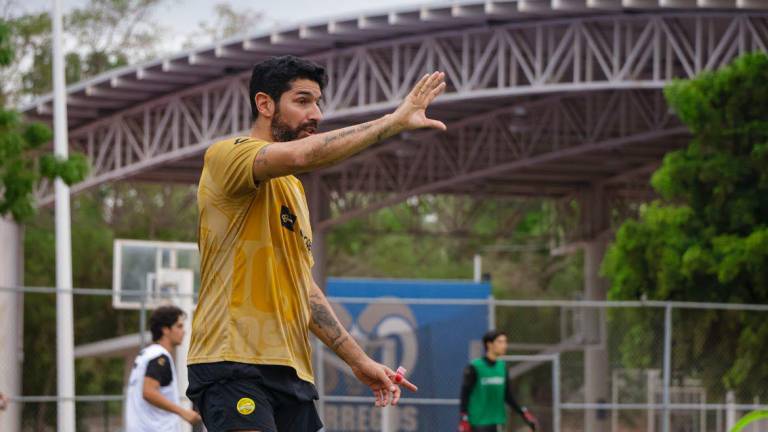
706,238
227,22
105,34
436,236
21,166
25,33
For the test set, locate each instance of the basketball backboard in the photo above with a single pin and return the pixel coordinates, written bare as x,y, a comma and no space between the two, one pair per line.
139,266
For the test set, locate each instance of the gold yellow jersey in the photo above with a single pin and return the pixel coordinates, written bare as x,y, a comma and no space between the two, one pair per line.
255,247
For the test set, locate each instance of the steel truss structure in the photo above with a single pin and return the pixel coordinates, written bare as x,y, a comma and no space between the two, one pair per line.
548,147
547,105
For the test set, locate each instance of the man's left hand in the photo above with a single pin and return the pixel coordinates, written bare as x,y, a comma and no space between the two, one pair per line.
380,379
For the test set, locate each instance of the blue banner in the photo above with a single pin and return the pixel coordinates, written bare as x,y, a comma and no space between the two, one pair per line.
434,342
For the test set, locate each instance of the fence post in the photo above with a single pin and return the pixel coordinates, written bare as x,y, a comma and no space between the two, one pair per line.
667,366
491,313
652,379
12,329
730,410
320,378
388,357
478,268
556,392
142,318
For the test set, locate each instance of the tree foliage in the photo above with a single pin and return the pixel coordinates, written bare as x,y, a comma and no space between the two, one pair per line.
21,164
226,22
437,236
706,238
104,34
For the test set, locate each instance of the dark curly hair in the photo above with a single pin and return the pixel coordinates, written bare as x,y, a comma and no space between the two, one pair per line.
274,77
164,316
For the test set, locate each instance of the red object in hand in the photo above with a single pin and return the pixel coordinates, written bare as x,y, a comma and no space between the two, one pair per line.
530,419
464,424
400,374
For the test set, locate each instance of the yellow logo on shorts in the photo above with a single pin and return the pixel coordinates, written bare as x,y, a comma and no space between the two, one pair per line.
246,406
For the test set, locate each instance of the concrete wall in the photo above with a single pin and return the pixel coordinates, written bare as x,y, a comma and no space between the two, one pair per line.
11,321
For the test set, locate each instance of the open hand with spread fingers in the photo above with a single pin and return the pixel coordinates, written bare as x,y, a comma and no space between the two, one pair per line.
411,114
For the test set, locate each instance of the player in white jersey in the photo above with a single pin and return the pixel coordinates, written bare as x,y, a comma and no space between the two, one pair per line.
152,401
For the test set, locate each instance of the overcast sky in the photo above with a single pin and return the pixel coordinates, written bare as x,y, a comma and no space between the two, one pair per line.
183,16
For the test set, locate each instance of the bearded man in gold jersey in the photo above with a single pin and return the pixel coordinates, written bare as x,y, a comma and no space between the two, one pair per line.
250,357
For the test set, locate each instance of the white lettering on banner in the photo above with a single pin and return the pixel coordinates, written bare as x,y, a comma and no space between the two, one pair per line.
492,381
364,418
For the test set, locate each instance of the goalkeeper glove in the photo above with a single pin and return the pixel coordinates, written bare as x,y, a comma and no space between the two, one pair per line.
464,423
529,419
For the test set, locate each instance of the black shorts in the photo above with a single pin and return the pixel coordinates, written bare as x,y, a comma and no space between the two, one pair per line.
237,396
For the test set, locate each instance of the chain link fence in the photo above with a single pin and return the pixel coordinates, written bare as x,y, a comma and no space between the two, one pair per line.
621,366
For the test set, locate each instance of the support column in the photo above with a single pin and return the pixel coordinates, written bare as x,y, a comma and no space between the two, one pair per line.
596,362
11,321
319,210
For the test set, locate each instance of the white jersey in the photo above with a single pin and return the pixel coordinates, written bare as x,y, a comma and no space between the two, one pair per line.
140,415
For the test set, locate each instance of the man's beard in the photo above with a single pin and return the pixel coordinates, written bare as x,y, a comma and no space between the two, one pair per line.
282,132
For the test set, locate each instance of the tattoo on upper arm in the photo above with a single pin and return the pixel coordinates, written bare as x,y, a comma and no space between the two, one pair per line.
261,156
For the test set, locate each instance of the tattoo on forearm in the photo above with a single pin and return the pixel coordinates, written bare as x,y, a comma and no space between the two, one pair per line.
382,134
323,318
333,137
339,342
320,150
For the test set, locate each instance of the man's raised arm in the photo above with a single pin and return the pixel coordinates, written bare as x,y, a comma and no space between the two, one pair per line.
324,149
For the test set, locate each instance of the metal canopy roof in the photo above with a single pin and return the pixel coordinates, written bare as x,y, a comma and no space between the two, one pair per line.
544,97
128,86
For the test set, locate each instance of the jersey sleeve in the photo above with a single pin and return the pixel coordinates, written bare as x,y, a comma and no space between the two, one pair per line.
159,368
230,164
468,381
509,397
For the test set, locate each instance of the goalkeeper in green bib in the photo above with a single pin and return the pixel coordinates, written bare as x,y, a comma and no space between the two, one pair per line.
486,387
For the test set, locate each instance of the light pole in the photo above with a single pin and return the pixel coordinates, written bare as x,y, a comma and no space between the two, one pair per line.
65,361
